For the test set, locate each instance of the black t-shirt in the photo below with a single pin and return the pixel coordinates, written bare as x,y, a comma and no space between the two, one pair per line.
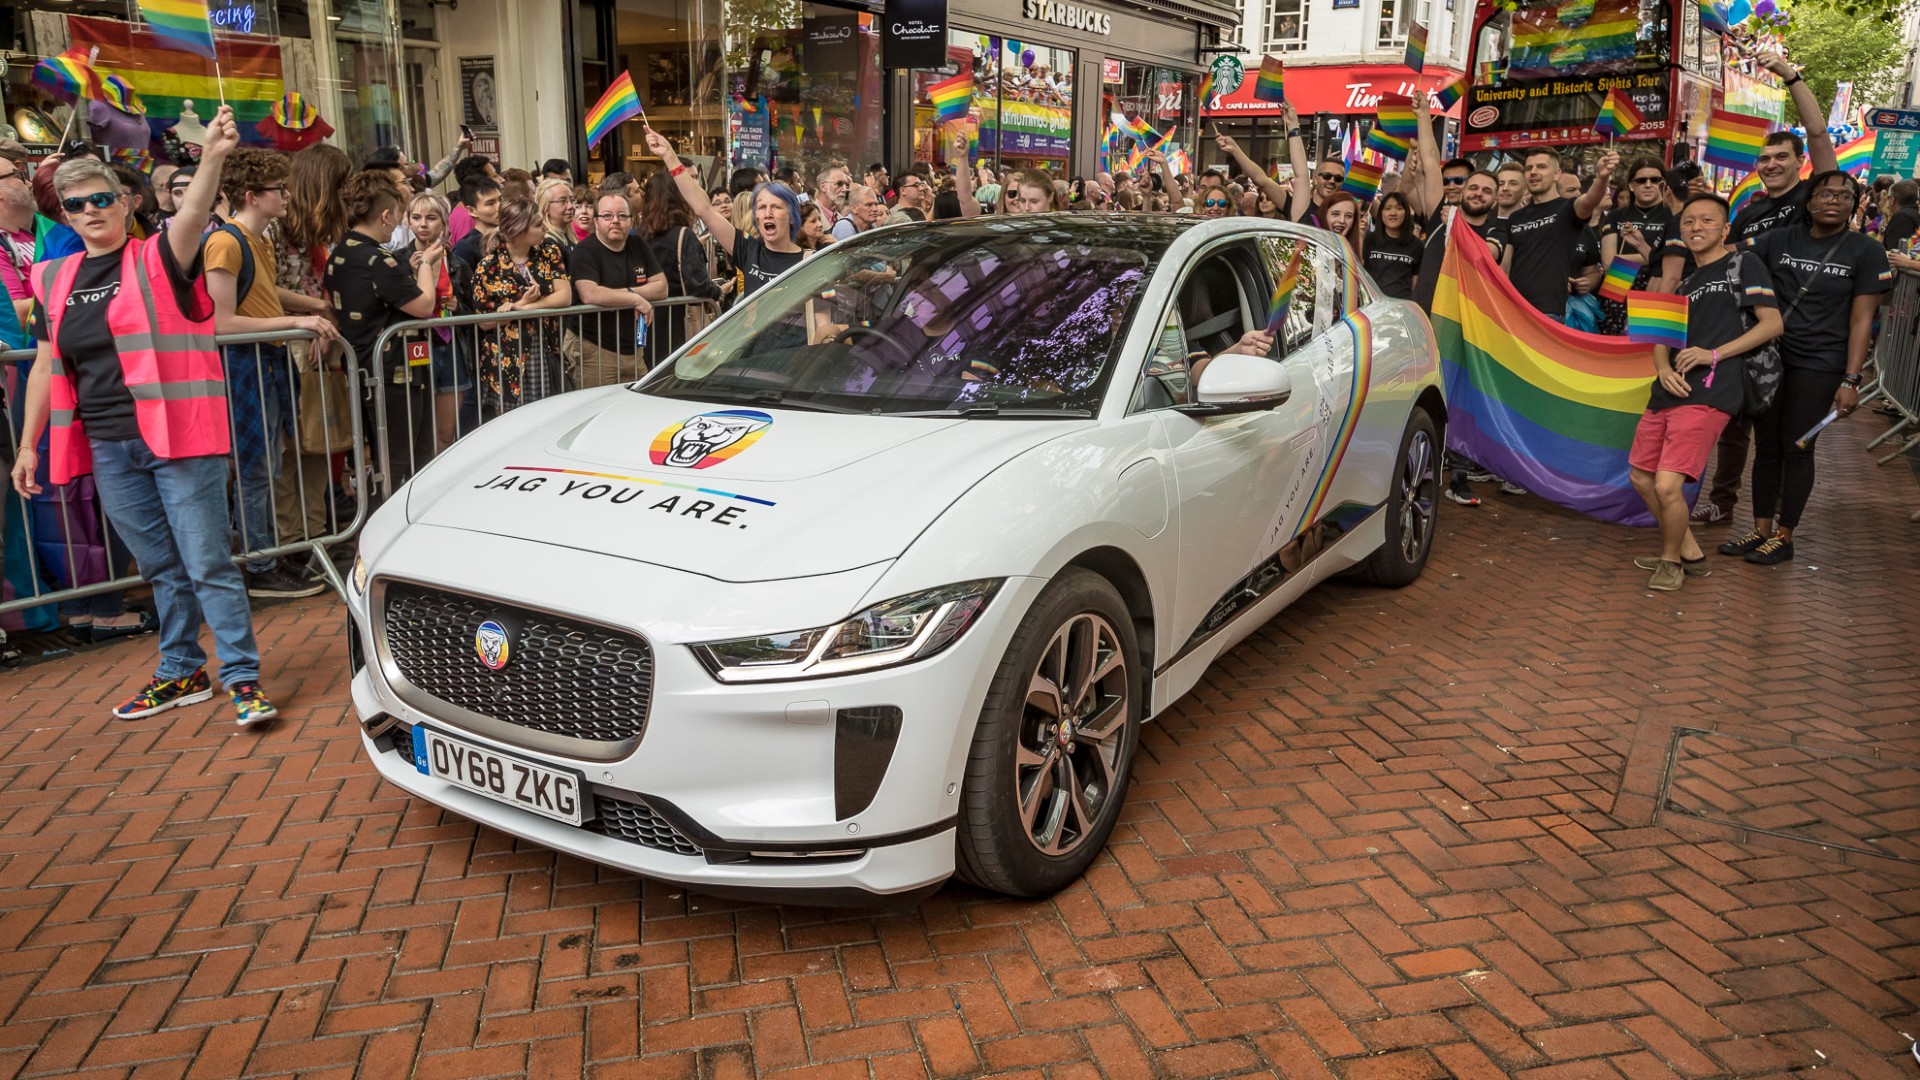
102,402
761,263
1900,229
368,285
1661,230
1543,239
1714,318
1817,318
1493,231
1392,261
632,265
1586,252
1766,213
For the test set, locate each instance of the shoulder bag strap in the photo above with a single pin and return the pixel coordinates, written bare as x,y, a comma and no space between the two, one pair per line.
1802,294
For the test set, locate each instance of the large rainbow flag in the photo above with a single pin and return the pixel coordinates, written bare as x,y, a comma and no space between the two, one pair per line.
1545,45
1546,407
166,75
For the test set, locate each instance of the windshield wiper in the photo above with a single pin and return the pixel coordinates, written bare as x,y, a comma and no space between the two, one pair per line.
990,410
775,398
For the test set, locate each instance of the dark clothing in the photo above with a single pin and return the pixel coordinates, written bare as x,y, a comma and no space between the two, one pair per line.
1730,463
1817,289
1716,316
368,286
1544,238
1493,231
760,263
102,402
627,268
1660,228
1783,472
1392,261
683,259
1764,213
1311,216
1900,229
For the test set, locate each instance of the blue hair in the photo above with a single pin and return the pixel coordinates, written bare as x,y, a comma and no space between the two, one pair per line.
785,194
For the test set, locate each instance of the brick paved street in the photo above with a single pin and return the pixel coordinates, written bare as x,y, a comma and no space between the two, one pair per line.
1396,834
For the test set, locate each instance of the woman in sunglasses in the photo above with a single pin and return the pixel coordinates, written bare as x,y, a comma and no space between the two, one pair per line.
130,378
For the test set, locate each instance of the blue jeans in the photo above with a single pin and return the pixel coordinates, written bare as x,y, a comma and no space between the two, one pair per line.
172,515
261,399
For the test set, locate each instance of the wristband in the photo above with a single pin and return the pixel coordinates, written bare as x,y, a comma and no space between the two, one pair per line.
676,170
1797,78
1293,133
1851,378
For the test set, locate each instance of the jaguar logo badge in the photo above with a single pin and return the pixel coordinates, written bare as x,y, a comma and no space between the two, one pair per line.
490,641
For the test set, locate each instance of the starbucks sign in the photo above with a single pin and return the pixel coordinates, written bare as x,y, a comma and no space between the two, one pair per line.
1228,74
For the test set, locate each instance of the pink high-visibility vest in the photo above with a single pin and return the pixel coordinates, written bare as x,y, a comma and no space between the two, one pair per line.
170,362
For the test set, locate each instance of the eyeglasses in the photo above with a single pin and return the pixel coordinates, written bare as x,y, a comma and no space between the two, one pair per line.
99,200
1835,195
614,217
1216,202
278,188
1333,177
14,175
1451,181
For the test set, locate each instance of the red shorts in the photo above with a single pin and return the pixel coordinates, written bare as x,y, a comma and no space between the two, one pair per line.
1677,439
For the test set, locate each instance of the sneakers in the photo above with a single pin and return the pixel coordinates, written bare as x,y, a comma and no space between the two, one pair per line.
282,583
250,705
1708,514
1743,545
163,694
1481,476
1775,550
1693,567
1510,488
1666,577
1461,494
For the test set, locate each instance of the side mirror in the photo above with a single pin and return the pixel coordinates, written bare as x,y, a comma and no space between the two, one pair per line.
1237,383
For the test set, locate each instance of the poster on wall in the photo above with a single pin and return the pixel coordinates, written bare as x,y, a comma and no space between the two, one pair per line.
752,137
479,97
913,34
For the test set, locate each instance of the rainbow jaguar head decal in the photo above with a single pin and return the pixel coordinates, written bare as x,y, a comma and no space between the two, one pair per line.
701,442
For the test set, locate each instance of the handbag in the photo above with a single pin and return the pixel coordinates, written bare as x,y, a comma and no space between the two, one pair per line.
325,411
1763,365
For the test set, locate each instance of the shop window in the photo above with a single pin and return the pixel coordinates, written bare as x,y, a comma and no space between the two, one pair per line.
803,82
1022,111
1394,15
1161,97
1287,26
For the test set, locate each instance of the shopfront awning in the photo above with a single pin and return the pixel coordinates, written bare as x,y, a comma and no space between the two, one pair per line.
1338,89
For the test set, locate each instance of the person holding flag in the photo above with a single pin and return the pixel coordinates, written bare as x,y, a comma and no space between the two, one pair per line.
1731,311
1295,203
1643,233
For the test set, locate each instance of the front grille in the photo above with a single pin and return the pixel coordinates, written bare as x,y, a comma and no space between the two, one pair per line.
561,676
636,823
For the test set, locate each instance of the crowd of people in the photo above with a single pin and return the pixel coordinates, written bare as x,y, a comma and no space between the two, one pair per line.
197,451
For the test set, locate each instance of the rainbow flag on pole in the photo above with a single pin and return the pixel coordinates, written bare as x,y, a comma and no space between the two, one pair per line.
1657,318
1363,179
1621,273
1205,96
1390,145
1734,140
1744,192
1856,157
1394,115
952,98
1617,115
181,24
1417,46
1282,299
1451,93
1549,408
1272,83
618,105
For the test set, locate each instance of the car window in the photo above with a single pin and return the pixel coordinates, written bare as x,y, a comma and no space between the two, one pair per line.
1208,316
1307,301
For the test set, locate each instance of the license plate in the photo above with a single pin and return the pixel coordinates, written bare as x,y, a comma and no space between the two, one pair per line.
531,786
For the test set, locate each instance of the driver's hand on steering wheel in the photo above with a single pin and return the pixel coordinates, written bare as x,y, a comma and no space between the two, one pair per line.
829,333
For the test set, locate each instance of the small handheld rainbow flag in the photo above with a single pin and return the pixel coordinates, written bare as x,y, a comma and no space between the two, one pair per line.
1734,140
139,159
69,76
1393,147
1620,276
1272,83
1363,180
1743,193
1856,157
1417,46
1657,318
1713,16
1394,115
952,98
1205,95
1283,290
182,24
1451,92
1617,115
618,105
1141,130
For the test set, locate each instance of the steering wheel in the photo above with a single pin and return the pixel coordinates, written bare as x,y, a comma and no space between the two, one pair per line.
857,330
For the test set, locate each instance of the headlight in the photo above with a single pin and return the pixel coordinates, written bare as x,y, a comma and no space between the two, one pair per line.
905,628
359,576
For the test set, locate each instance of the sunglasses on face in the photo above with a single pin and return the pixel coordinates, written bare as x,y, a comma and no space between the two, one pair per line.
1333,177
1453,181
1215,202
99,200
1647,179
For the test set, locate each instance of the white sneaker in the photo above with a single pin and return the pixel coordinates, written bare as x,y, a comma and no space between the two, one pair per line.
1511,488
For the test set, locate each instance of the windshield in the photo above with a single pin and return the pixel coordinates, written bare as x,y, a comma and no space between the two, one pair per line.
976,318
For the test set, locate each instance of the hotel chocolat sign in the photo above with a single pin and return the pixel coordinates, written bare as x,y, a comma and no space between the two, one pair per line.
913,34
833,42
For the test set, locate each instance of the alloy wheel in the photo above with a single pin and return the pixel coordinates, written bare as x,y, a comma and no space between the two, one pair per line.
1067,761
1419,488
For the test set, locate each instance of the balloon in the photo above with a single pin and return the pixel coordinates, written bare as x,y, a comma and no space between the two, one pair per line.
1013,47
1026,58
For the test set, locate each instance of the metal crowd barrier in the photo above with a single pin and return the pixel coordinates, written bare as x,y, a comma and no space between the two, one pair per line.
440,378
1896,362
283,478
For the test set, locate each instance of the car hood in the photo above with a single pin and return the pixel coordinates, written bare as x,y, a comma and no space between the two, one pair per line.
734,493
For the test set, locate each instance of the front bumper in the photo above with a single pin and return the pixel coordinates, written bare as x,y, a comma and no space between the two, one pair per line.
824,787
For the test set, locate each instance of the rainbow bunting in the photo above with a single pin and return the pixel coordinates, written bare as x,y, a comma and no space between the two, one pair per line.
1657,318
1417,46
1617,115
69,76
1551,409
1744,191
1282,298
952,98
139,159
1621,274
1451,93
1205,96
1856,157
1363,180
1734,140
1272,84
1395,116
169,77
618,105
1391,146
181,24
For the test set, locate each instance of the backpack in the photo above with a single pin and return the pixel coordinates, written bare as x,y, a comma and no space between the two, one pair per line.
245,282
1763,366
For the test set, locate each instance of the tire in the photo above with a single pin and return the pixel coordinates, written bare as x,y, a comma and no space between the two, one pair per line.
1411,506
1077,633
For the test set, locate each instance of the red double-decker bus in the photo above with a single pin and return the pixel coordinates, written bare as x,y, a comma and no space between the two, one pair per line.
1541,68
